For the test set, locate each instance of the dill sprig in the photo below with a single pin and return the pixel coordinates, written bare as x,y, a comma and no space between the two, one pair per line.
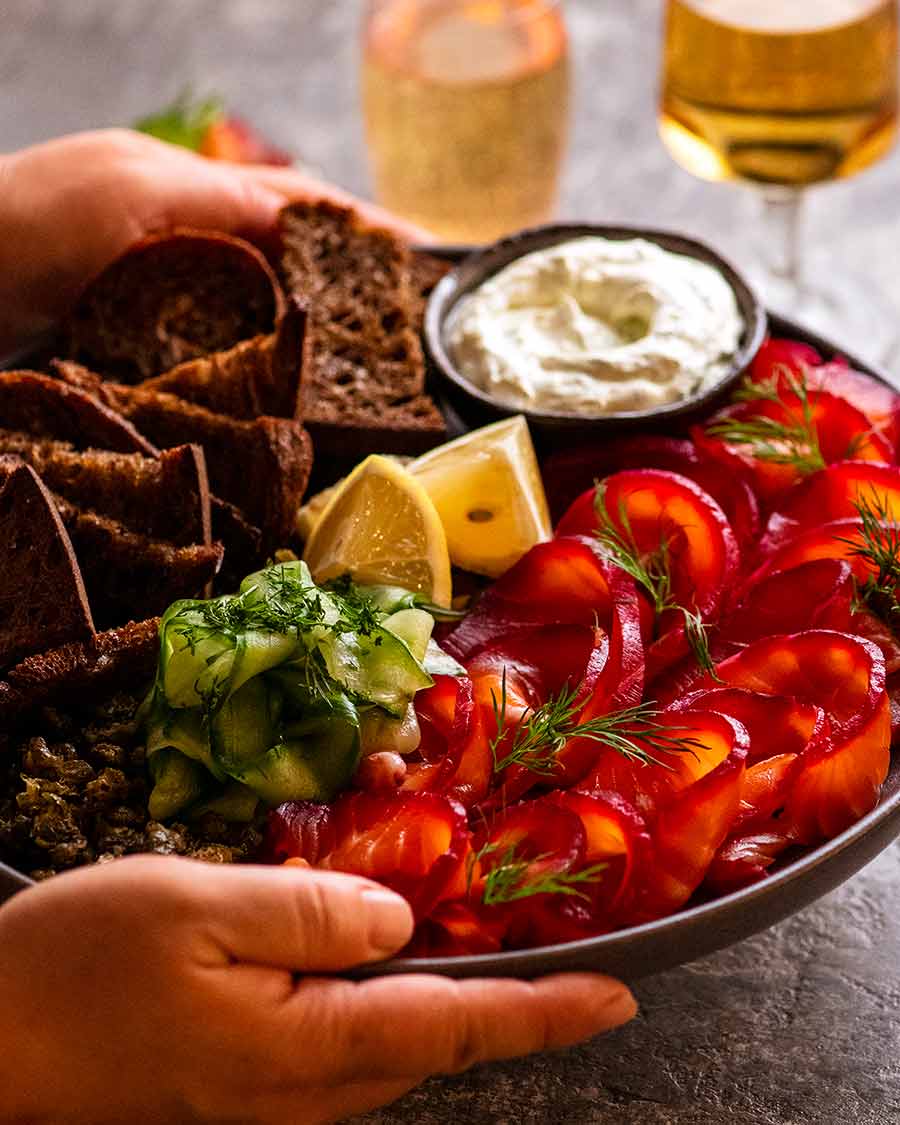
536,740
284,603
652,571
793,442
280,602
880,547
512,877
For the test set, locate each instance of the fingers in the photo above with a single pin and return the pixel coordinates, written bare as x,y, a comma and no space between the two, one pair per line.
292,184
413,1026
296,919
181,188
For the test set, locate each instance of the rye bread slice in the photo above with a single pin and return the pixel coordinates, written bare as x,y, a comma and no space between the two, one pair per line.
355,276
367,373
122,658
171,298
42,596
259,466
124,571
425,271
165,497
45,407
258,376
371,423
242,540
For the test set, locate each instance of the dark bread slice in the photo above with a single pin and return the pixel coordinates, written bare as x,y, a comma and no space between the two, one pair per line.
355,276
170,298
45,407
243,543
165,497
425,271
377,424
261,466
124,570
42,597
83,379
363,391
258,376
83,671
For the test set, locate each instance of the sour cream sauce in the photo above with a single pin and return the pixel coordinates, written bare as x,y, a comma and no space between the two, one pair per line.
595,326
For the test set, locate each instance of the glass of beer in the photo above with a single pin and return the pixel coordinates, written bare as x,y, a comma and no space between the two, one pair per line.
466,111
784,94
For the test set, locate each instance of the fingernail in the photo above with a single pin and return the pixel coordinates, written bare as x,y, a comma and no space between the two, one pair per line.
620,1007
390,919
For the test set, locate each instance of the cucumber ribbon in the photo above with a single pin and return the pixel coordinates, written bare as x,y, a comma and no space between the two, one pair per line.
259,694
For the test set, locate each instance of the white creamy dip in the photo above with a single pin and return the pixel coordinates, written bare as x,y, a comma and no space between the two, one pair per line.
597,326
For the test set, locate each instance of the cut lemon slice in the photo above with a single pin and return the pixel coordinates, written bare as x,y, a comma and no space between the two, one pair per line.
381,527
488,492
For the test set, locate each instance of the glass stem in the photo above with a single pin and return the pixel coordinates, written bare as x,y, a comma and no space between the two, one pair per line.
782,234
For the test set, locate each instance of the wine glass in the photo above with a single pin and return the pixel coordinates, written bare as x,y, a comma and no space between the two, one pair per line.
466,111
784,95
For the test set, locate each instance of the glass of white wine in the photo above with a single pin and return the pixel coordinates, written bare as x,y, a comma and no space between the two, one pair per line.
466,111
785,94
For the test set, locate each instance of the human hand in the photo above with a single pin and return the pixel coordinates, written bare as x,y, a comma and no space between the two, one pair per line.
70,206
153,989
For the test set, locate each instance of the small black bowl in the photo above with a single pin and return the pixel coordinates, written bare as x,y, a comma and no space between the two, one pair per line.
476,407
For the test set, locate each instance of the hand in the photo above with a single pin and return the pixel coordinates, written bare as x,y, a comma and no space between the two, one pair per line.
70,206
153,989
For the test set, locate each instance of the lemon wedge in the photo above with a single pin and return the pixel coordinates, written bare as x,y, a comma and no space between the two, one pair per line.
381,527
488,492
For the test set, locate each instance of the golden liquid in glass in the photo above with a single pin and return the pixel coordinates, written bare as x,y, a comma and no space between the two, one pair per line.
779,91
466,111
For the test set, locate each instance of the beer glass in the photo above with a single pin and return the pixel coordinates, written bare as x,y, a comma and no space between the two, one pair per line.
466,111
785,95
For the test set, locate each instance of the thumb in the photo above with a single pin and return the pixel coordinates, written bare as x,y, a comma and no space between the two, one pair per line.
302,920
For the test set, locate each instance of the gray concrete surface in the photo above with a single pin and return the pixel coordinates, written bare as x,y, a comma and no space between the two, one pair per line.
798,1026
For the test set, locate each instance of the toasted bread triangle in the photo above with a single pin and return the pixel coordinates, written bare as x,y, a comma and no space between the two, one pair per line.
166,497
45,407
43,602
82,671
255,377
170,298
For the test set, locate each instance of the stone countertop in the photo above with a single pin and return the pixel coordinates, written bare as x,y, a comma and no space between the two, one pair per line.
798,1026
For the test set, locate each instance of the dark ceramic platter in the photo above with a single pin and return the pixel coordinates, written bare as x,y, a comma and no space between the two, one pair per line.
699,929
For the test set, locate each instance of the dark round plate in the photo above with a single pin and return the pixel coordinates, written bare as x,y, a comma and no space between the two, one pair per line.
549,428
700,928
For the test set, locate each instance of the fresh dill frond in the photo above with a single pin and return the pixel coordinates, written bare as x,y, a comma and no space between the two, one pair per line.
283,604
536,740
649,569
880,547
794,441
279,602
697,635
512,878
652,571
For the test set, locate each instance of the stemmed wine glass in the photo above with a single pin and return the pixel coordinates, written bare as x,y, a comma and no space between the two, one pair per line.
784,95
466,111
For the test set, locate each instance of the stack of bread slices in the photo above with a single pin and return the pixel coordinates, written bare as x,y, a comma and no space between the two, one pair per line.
164,450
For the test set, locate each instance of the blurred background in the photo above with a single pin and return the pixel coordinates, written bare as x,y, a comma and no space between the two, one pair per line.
292,68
